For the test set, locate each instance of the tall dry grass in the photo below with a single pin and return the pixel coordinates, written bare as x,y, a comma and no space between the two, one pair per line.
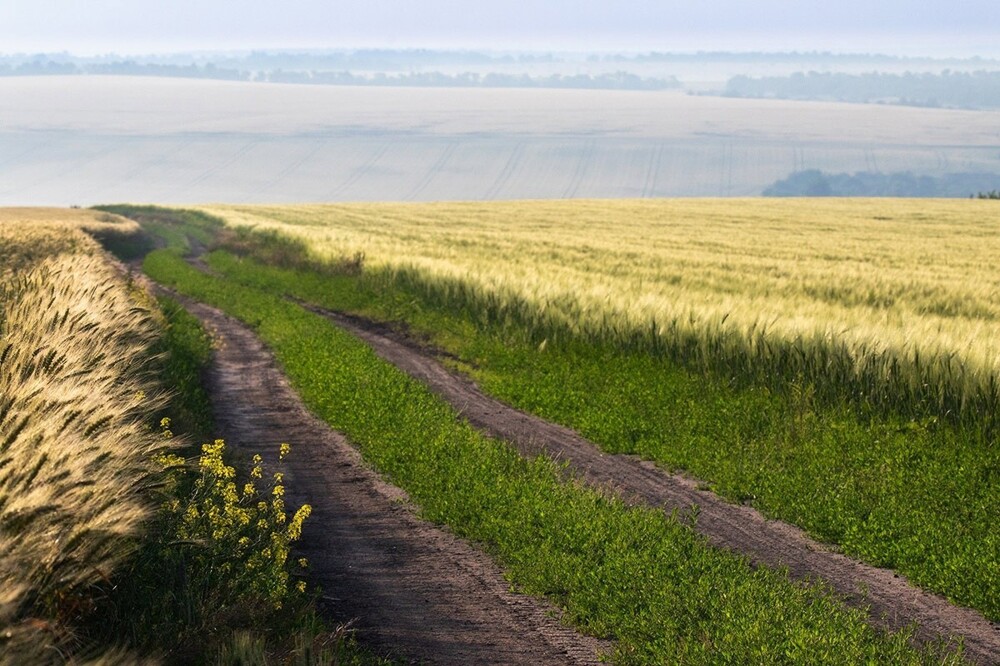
77,461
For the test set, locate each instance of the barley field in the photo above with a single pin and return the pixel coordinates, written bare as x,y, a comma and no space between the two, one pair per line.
78,460
897,299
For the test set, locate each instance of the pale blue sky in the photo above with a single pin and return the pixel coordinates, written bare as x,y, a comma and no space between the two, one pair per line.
953,27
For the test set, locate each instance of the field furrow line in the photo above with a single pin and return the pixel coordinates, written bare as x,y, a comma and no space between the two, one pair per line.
652,171
513,162
891,600
582,167
294,166
433,171
37,147
360,172
59,175
411,589
221,167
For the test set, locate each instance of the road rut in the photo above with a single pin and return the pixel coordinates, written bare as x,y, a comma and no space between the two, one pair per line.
411,589
893,602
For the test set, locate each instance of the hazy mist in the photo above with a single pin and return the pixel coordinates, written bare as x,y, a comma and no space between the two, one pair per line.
957,27
312,100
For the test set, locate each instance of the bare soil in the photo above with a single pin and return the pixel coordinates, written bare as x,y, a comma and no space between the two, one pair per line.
892,601
413,591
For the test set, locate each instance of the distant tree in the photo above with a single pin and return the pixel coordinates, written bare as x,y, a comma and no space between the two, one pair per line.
810,183
814,183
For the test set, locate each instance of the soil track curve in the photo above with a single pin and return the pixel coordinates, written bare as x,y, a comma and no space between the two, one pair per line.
893,602
411,589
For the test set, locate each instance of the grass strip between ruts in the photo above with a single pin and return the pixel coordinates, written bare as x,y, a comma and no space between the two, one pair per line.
917,498
635,575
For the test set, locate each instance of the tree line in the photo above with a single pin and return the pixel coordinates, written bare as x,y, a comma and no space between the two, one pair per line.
815,183
610,81
967,90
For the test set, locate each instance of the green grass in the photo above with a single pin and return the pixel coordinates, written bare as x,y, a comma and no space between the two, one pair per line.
175,228
918,497
100,561
186,349
635,575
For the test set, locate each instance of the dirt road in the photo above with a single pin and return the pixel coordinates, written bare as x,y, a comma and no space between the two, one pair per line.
893,601
413,590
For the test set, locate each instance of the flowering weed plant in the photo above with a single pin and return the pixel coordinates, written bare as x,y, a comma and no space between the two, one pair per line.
239,536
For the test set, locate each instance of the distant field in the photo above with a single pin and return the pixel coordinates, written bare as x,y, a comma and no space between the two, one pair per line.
83,140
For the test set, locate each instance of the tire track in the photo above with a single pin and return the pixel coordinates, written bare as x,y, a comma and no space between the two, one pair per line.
109,147
508,170
655,159
726,169
144,167
582,167
409,588
211,171
40,146
891,600
432,173
360,172
730,159
798,158
293,166
871,164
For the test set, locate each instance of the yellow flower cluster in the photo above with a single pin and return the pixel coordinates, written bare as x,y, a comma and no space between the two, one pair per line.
246,539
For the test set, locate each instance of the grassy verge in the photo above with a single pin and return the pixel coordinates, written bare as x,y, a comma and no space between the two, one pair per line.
635,575
213,580
184,350
918,497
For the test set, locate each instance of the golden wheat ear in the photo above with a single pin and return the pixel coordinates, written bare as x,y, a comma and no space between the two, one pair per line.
77,459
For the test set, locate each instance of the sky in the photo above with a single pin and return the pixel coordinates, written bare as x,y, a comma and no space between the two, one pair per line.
905,27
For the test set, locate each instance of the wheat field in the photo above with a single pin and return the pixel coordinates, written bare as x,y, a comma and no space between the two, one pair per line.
898,296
